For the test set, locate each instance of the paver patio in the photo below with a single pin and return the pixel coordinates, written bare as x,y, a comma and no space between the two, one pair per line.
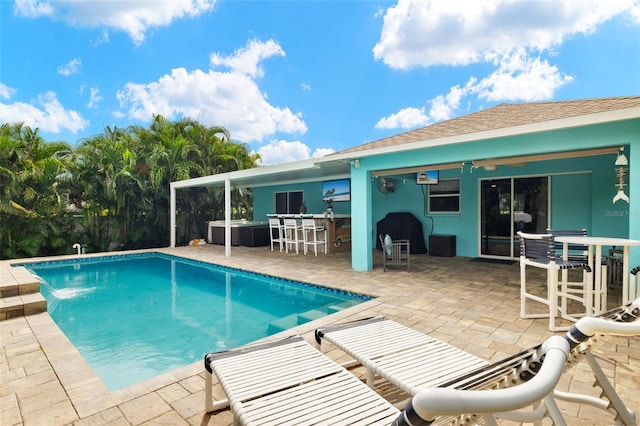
471,305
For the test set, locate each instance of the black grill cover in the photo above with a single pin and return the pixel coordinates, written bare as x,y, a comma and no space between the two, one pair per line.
402,226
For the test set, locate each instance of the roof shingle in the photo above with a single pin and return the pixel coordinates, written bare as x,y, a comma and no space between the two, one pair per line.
503,116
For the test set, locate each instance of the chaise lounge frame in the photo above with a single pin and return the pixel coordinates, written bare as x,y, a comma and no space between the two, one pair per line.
417,363
290,382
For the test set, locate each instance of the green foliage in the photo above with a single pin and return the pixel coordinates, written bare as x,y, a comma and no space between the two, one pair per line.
112,190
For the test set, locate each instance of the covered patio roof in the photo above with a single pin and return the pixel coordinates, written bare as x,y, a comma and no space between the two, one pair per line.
313,169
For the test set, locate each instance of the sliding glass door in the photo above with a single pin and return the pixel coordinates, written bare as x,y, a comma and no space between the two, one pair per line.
509,205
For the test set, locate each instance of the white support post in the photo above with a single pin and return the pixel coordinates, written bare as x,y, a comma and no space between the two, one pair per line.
227,217
172,216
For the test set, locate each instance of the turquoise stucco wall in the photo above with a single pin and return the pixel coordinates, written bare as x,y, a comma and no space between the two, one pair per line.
581,193
264,199
581,189
606,218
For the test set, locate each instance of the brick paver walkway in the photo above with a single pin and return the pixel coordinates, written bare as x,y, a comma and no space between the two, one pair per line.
471,305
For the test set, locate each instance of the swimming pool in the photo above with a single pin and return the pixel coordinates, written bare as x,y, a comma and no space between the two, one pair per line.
133,317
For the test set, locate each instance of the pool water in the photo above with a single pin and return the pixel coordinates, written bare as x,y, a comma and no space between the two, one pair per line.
134,317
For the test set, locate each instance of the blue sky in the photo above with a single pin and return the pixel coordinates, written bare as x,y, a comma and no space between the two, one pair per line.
299,79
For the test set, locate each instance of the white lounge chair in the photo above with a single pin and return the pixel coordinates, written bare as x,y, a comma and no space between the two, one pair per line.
407,358
288,382
435,372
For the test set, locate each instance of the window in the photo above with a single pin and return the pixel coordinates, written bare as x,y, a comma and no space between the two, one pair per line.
288,202
444,197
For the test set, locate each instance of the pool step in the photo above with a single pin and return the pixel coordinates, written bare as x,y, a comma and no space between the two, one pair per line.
293,320
20,293
332,309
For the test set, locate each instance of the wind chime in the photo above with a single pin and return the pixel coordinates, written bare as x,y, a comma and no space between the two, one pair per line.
621,173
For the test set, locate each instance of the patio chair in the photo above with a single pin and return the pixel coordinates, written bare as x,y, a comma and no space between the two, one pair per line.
574,253
292,229
614,262
395,252
276,232
538,250
435,373
313,236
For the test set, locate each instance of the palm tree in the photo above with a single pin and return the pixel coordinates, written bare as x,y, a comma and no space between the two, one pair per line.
117,182
33,200
112,185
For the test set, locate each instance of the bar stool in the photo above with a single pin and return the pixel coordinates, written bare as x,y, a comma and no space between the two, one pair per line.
538,250
319,234
276,232
292,234
576,253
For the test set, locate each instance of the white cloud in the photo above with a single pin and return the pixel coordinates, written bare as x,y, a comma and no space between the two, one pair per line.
103,39
71,67
247,60
424,33
443,106
6,92
517,78
305,87
94,97
404,119
134,17
509,36
635,12
521,78
49,116
33,8
321,152
231,99
281,151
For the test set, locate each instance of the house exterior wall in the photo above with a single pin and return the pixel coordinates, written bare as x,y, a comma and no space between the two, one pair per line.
595,175
581,189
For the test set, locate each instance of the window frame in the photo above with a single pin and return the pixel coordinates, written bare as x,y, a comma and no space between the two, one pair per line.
445,195
289,202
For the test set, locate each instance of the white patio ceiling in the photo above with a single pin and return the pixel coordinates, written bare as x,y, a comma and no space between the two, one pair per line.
295,172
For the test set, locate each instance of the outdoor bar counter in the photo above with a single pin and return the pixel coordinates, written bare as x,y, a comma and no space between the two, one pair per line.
338,228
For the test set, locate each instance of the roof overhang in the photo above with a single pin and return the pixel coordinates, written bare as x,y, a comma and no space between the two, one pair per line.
311,170
336,166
